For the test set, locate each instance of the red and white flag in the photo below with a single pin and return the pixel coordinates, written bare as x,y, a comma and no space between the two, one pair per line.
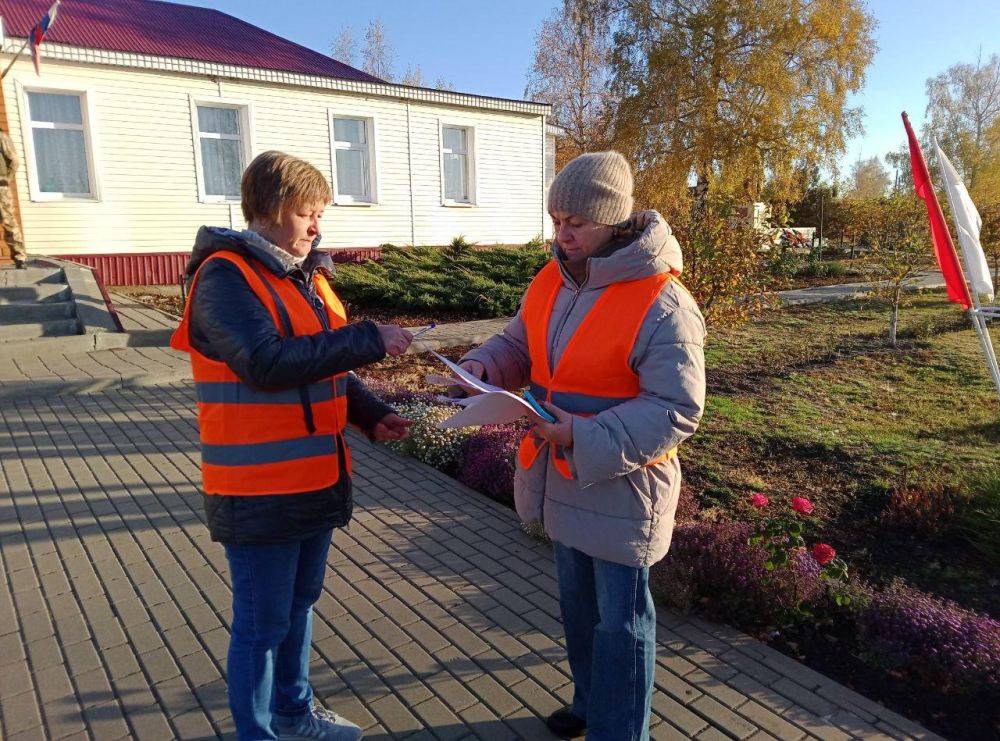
968,224
37,34
944,248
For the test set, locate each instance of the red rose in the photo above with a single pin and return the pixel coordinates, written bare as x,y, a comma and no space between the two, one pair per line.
803,505
759,501
823,553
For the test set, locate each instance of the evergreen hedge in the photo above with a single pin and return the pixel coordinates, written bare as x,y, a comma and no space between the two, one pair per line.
479,282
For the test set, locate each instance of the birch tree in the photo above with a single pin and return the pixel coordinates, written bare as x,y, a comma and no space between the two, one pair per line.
570,71
732,95
868,179
963,103
377,56
414,77
345,47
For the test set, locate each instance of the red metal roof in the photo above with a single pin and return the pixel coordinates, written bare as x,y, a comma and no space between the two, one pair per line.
171,30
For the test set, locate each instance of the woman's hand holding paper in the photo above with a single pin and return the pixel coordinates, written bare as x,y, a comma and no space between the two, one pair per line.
473,368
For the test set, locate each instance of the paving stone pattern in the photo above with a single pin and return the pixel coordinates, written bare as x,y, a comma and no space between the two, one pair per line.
439,617
54,372
135,314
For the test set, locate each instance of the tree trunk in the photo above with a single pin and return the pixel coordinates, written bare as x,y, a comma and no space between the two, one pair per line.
701,196
894,322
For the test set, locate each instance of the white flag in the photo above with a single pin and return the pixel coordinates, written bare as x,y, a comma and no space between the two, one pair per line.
967,223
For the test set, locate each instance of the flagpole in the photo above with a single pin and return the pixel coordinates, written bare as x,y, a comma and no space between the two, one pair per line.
16,56
983,330
987,343
975,310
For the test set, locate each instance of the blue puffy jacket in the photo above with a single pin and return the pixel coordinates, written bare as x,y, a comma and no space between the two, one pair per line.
229,323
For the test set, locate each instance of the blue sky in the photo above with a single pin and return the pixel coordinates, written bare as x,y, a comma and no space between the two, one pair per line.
486,47
480,47
917,39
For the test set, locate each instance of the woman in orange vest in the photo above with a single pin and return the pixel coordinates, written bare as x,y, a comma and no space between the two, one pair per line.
272,354
612,345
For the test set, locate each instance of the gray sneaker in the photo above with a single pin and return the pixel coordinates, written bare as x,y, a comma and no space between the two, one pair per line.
319,723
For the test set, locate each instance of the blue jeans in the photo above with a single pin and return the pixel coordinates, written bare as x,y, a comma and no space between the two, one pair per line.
274,589
610,625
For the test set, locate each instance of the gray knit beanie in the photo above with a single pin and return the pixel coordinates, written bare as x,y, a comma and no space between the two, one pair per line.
596,186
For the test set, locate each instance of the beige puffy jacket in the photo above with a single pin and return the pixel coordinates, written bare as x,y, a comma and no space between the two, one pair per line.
618,508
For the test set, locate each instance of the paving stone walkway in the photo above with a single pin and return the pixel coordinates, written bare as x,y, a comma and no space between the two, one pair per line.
135,314
927,280
439,616
53,371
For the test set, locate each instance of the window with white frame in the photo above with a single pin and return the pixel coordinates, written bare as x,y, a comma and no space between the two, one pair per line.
353,159
59,143
457,171
221,134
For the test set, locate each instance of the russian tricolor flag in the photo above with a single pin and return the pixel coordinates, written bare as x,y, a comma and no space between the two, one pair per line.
38,34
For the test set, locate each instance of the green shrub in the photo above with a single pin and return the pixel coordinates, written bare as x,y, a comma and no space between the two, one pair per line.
818,269
460,244
479,282
978,518
836,269
782,263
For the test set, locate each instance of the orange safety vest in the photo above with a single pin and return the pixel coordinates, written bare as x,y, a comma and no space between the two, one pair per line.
593,373
269,441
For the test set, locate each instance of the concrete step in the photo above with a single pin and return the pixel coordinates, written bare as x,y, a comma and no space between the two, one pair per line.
32,294
35,313
92,372
152,337
74,343
55,328
31,276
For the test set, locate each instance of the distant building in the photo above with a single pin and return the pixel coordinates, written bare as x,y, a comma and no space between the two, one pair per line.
146,114
758,215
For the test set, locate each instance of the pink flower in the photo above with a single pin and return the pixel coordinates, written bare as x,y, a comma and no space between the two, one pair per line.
823,553
759,501
803,505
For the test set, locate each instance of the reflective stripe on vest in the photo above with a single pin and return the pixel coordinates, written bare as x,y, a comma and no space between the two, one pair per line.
593,373
269,441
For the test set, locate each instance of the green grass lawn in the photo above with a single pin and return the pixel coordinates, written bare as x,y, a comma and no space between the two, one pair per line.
813,402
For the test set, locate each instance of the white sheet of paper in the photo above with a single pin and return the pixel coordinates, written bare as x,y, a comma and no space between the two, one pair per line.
461,402
437,380
466,377
491,408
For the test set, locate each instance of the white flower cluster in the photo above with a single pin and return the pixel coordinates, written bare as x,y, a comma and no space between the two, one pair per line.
427,442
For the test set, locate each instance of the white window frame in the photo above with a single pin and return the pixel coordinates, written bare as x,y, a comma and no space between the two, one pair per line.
89,140
245,110
371,136
470,162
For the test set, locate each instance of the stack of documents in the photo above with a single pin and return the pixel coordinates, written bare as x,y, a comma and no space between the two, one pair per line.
486,404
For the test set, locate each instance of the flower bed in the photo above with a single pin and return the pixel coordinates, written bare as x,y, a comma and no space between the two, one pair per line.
762,575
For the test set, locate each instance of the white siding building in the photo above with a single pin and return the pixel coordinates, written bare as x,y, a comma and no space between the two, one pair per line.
127,152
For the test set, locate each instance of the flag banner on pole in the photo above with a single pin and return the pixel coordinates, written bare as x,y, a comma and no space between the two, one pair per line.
967,225
37,35
944,248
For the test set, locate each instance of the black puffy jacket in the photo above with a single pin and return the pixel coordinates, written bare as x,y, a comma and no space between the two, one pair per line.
229,323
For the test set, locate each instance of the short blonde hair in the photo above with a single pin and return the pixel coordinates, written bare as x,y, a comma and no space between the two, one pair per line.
275,180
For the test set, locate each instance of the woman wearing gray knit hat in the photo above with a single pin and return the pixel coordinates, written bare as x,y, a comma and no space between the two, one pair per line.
612,344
